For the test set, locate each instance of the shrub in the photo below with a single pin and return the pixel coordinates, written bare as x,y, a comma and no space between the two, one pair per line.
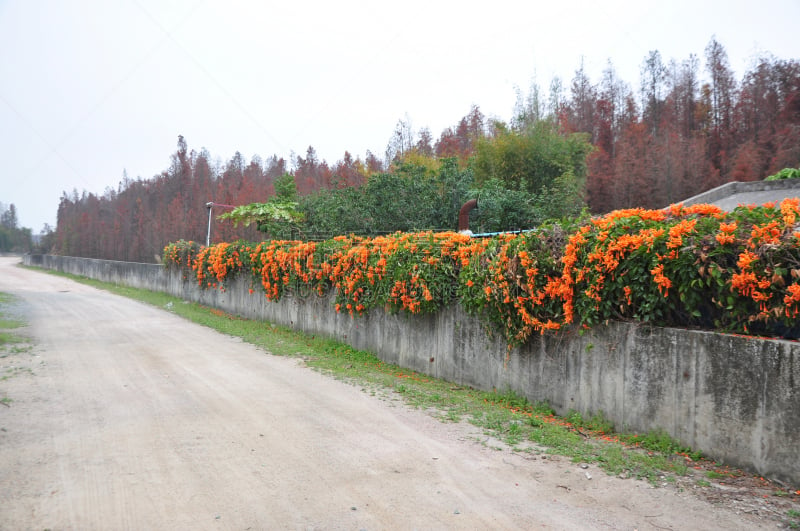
786,173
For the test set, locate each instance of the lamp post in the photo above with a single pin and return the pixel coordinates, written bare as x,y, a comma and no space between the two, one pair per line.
208,232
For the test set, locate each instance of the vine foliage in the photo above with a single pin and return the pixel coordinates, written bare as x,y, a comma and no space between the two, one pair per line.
694,266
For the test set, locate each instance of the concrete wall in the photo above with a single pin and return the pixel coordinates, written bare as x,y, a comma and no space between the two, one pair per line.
133,274
729,195
735,398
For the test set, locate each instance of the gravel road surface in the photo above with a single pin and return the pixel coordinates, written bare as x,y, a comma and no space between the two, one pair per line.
125,416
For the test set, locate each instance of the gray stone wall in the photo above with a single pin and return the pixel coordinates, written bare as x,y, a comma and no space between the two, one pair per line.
735,398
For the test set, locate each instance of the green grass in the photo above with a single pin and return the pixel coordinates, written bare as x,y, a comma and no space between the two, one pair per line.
7,338
8,323
506,418
794,518
11,343
14,371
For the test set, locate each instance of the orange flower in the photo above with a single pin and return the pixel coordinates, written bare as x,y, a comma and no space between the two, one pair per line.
793,295
703,210
744,282
746,258
790,208
724,239
766,234
677,232
661,280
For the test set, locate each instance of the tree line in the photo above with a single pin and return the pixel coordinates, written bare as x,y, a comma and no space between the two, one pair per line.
13,238
599,146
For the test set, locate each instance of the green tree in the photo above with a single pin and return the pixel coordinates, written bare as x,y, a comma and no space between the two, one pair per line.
453,188
403,200
329,213
13,239
286,187
418,197
46,240
8,218
539,160
426,195
501,209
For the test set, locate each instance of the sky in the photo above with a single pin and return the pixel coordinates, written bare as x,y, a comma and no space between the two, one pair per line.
92,88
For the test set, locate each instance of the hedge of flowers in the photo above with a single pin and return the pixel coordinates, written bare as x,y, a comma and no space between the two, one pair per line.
684,266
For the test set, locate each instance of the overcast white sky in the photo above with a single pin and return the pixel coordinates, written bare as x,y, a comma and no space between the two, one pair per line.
89,88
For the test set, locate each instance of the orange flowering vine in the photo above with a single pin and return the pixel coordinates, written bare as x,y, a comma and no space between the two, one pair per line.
681,266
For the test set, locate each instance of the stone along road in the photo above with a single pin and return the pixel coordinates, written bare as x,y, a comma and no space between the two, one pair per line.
132,418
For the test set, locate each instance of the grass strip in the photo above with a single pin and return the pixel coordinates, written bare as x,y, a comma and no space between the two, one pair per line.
8,322
11,343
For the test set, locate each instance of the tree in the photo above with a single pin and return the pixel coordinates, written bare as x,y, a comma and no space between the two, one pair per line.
748,163
424,145
412,196
403,200
555,102
8,218
501,209
540,161
580,111
373,163
13,238
532,159
46,240
348,172
631,187
286,187
460,141
721,93
653,78
310,173
329,213
401,141
611,108
612,112
528,109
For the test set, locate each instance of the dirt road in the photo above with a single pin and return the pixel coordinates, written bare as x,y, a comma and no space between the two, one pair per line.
132,418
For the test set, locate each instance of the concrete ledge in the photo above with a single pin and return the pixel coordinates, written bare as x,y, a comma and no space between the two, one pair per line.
735,398
729,195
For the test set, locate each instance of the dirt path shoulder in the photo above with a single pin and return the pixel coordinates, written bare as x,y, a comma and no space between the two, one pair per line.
129,417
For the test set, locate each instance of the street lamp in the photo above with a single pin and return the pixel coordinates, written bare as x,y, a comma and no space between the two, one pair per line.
208,232
209,206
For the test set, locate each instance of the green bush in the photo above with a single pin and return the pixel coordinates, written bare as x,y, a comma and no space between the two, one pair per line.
786,173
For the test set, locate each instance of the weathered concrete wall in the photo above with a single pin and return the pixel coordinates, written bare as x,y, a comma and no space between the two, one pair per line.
133,274
729,195
736,398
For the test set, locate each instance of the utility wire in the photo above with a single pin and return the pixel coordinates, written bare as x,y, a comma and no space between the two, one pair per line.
204,70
